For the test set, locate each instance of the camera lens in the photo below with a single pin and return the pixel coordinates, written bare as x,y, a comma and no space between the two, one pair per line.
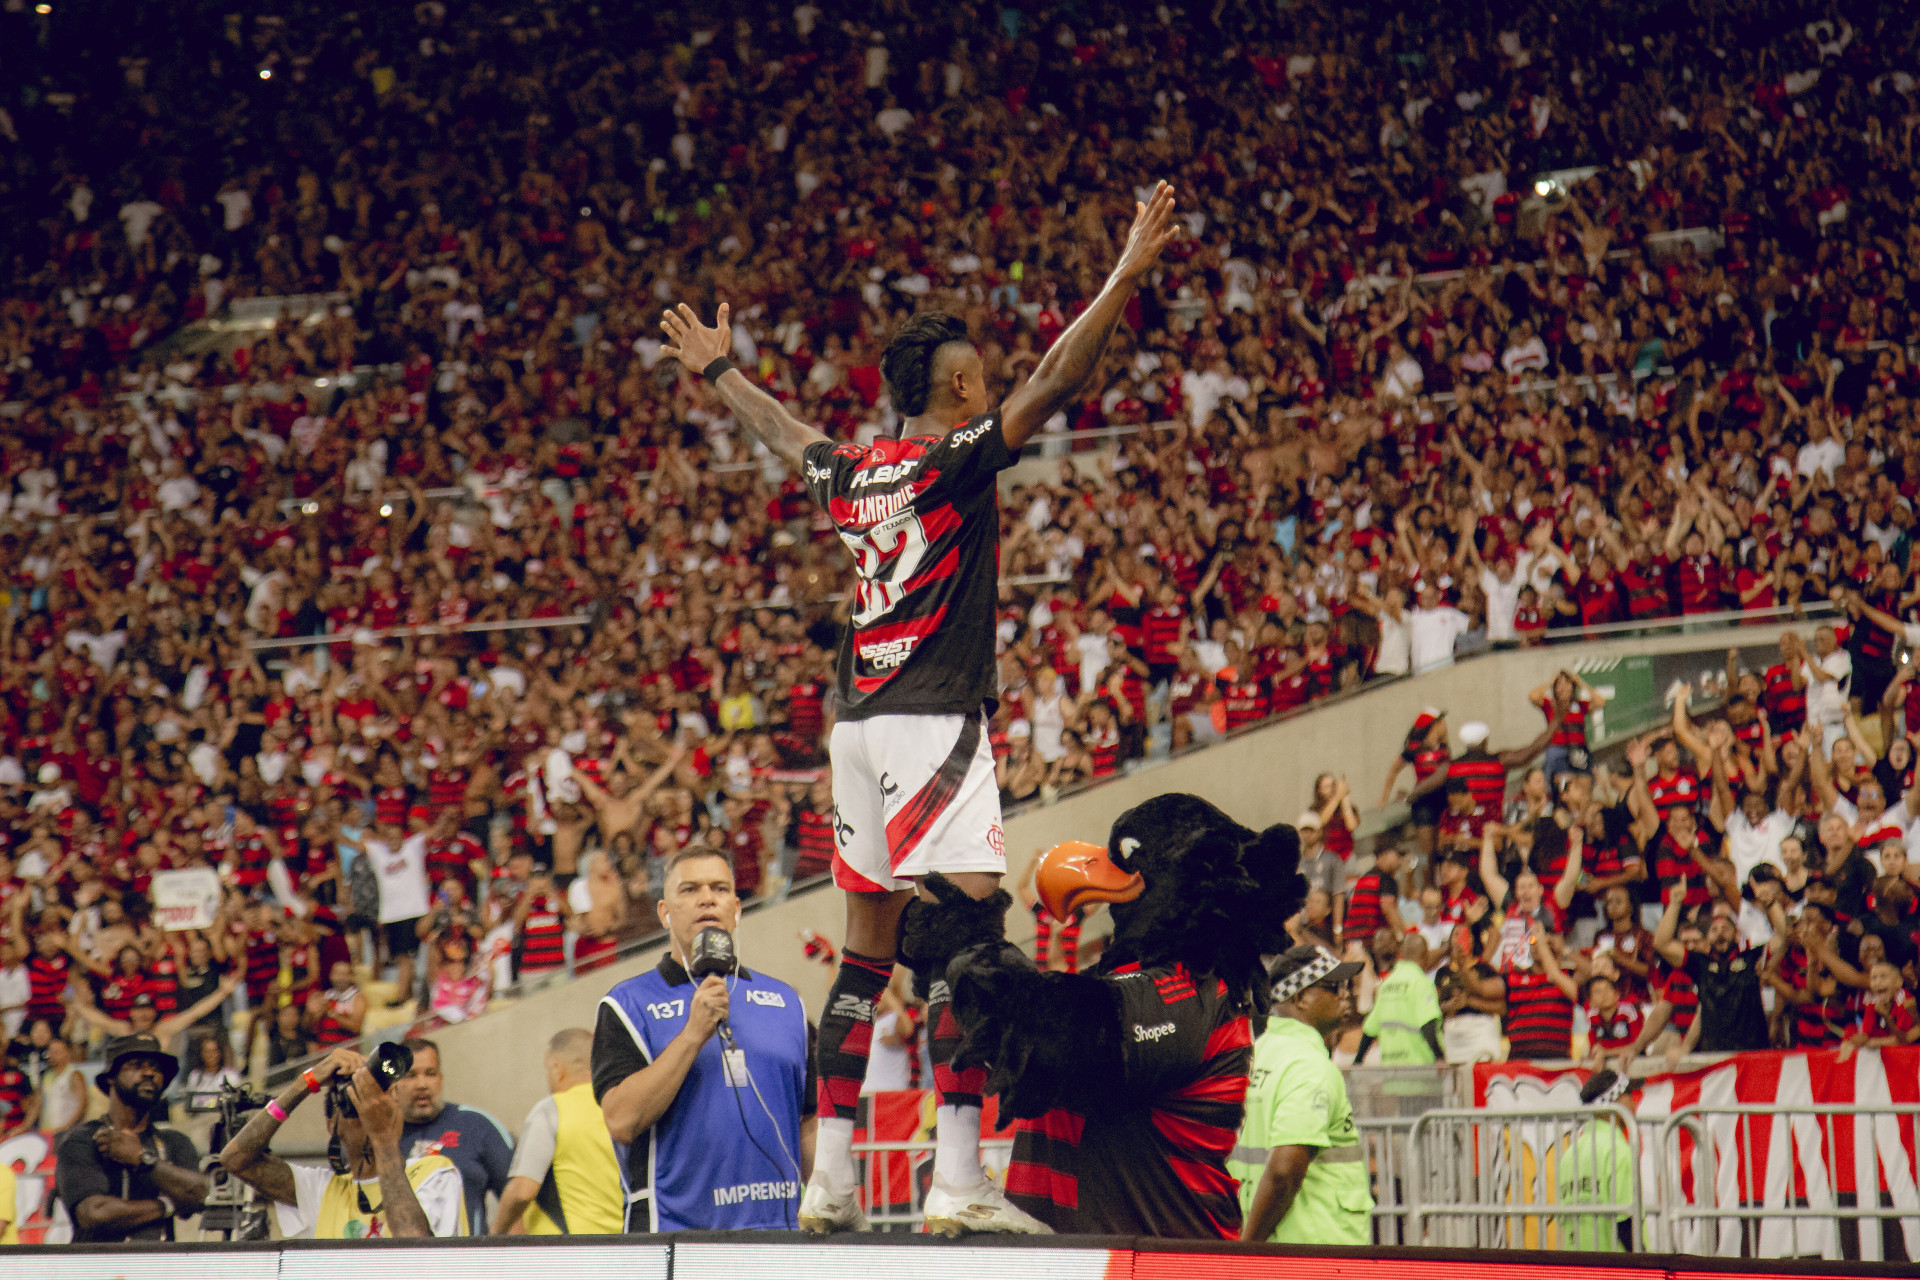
390,1061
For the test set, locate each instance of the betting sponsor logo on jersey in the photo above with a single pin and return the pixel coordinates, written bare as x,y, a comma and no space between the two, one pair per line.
886,473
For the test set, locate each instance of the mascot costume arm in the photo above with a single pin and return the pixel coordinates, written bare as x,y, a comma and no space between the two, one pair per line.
1188,886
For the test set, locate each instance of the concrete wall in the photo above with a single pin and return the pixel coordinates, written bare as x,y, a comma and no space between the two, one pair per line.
1261,777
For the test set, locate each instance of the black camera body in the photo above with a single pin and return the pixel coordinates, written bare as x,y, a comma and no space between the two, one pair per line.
387,1063
232,1208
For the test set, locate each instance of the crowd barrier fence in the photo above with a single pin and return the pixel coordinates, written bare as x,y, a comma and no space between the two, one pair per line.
1769,1181
1492,1179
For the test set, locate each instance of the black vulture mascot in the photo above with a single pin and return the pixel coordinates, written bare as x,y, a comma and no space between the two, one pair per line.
1126,1083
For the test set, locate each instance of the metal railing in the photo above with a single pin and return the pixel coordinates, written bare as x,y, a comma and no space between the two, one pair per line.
1384,1148
1726,1198
424,629
893,1190
1525,1179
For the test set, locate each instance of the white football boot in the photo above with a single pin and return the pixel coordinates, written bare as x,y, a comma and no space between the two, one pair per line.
824,1211
981,1208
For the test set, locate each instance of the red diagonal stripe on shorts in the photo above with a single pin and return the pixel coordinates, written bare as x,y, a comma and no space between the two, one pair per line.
907,828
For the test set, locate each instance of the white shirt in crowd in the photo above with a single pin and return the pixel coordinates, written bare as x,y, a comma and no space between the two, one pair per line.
15,991
440,1196
1749,845
1049,720
402,874
1395,657
1094,654
1827,699
1432,633
1503,602
888,1065
1823,455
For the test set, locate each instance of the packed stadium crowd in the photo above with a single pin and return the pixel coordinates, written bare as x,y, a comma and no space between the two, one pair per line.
1478,329
1739,883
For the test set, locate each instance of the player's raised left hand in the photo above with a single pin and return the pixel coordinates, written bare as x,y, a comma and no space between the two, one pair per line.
1153,230
693,344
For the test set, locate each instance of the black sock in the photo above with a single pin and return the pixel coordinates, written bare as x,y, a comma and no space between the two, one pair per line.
846,1033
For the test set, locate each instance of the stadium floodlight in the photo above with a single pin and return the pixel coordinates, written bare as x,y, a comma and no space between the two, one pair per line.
386,508
43,9
266,73
1543,187
310,508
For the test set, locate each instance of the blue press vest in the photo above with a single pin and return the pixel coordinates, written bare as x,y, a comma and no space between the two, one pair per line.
706,1172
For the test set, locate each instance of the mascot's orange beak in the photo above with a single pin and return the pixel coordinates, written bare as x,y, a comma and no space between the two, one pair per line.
1074,874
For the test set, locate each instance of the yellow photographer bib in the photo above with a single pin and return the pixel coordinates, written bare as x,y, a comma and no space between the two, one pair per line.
340,1217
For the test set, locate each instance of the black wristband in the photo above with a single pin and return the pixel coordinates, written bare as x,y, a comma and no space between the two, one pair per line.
713,371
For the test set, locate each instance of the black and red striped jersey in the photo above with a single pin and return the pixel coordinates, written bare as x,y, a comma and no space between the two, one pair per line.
1364,915
1669,791
1871,641
1160,631
1152,1159
1539,1019
1572,729
920,516
811,832
1784,699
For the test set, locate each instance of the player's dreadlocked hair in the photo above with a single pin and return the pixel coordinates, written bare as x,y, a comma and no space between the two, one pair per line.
907,363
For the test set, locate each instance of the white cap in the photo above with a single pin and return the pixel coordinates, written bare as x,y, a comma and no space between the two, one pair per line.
49,774
1308,819
1473,733
1019,729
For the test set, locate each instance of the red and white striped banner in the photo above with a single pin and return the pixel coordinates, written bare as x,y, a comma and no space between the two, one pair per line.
1774,1160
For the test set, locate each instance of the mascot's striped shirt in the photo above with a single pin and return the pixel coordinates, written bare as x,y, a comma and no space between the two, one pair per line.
1153,1160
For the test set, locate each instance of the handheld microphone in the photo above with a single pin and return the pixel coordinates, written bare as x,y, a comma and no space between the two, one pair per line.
712,954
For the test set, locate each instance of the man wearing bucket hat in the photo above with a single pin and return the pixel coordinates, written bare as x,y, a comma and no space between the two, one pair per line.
1302,1177
124,1177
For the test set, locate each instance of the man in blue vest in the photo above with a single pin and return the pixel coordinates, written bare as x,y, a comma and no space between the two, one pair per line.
707,1088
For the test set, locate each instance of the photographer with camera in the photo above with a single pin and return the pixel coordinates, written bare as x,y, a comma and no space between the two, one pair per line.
369,1191
703,1071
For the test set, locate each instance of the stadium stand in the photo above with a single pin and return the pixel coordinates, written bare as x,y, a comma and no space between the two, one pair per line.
346,502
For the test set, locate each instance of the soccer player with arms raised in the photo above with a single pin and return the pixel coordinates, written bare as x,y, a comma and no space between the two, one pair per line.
913,782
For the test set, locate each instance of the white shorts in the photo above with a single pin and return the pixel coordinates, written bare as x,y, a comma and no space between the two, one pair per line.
913,794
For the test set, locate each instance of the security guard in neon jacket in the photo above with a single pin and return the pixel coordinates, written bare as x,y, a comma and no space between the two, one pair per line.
1298,1159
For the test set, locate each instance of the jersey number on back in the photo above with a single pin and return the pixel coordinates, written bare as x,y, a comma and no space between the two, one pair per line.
886,557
